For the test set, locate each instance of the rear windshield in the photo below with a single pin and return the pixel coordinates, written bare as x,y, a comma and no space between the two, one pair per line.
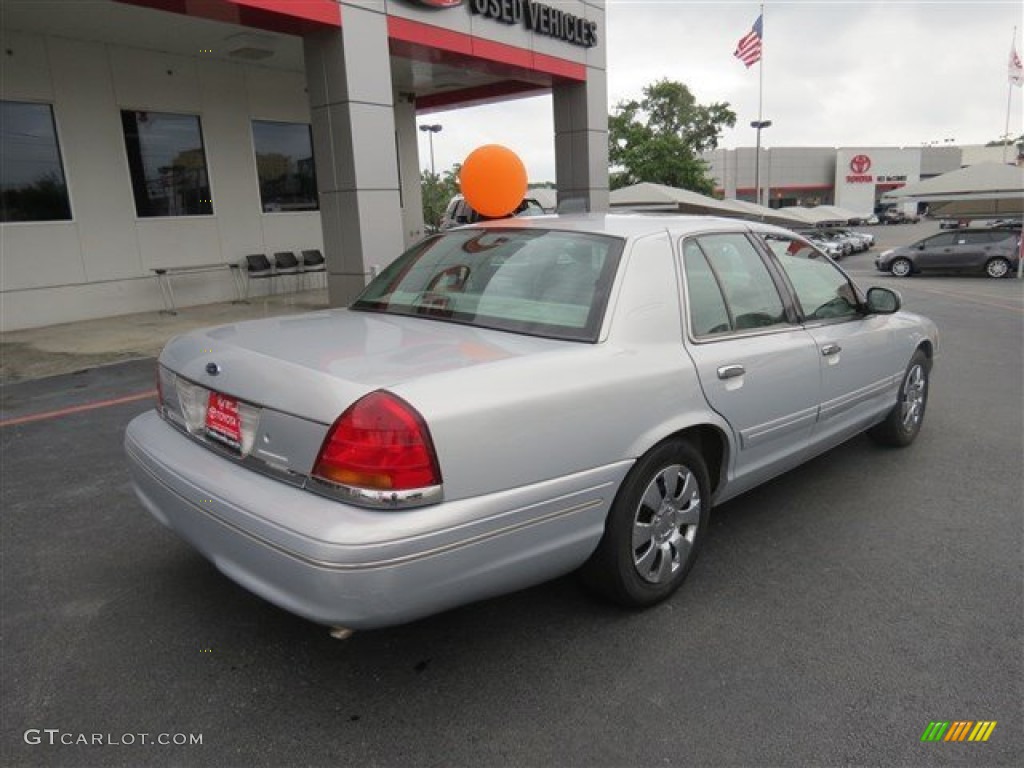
538,282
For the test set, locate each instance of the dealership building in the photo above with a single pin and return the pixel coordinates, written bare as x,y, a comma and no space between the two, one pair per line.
179,135
854,178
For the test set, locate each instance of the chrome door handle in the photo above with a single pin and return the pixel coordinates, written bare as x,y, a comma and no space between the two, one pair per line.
731,371
831,349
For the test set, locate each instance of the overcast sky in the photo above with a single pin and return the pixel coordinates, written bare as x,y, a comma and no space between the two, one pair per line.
836,73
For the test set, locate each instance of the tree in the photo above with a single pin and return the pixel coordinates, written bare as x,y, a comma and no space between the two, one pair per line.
437,191
659,138
1006,140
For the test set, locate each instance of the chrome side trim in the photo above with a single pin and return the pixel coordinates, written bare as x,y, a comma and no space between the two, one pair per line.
269,464
772,430
251,461
372,499
832,408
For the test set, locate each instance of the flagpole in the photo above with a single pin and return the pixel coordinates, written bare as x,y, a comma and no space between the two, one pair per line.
760,110
1009,100
760,116
760,71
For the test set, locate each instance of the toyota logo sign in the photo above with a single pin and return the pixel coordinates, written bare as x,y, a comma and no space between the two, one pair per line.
860,164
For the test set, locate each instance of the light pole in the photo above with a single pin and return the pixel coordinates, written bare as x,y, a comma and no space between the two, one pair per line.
758,124
431,130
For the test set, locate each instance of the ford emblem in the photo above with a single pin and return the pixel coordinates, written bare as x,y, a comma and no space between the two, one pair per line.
213,369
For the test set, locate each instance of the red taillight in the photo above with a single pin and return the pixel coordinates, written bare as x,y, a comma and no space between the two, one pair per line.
380,443
159,388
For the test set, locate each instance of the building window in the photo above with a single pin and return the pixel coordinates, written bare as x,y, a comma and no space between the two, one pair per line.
284,162
31,174
167,163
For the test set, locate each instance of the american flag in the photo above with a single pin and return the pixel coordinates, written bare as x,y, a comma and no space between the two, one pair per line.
748,49
1016,70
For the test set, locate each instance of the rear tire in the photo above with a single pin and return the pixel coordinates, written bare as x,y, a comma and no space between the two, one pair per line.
901,268
904,421
655,527
997,267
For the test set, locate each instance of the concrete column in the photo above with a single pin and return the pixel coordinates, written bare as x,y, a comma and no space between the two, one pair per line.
409,168
581,140
766,177
348,74
727,168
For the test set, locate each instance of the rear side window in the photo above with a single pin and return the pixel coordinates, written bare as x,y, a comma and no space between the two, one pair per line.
708,315
1001,235
745,289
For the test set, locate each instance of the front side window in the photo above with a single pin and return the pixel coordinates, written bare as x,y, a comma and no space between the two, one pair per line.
752,300
532,281
31,174
167,162
939,241
284,163
823,291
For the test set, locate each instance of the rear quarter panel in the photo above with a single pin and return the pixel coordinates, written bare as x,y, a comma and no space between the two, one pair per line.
577,406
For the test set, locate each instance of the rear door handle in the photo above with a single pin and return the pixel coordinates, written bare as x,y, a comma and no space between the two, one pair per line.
831,349
731,371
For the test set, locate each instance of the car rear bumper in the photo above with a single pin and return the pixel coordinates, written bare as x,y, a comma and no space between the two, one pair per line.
341,565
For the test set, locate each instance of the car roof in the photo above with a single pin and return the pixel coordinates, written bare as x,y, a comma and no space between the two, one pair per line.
630,225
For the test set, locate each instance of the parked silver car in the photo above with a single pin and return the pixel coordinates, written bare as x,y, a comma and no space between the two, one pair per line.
860,241
509,402
832,247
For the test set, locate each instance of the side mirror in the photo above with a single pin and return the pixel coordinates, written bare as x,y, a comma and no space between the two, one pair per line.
883,301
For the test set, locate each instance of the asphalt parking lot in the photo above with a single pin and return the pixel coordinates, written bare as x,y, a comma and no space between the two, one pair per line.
834,612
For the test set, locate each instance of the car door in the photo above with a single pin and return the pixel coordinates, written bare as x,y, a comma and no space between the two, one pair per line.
860,368
943,251
978,248
757,366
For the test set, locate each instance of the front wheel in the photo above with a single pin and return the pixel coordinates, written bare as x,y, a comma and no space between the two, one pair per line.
901,267
654,529
904,420
997,267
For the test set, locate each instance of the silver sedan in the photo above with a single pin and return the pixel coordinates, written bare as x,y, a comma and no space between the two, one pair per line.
512,401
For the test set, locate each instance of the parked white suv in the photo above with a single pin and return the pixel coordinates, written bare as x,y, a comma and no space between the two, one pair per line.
459,212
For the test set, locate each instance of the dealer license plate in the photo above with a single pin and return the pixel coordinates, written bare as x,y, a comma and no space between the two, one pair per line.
223,422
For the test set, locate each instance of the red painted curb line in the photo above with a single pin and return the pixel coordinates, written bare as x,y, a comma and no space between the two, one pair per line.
76,409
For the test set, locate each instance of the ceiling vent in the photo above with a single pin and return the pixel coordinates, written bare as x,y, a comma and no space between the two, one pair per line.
251,46
248,53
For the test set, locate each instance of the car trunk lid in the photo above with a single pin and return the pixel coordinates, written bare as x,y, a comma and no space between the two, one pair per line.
315,365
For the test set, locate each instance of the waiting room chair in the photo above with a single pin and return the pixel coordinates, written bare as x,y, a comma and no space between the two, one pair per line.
285,263
313,261
257,267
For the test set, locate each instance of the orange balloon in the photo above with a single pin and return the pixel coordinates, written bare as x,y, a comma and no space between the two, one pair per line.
493,180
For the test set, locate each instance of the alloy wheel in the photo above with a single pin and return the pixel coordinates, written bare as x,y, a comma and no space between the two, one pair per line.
914,391
997,268
665,523
901,268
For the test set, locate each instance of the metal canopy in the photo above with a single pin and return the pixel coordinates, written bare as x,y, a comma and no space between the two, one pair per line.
654,197
984,190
